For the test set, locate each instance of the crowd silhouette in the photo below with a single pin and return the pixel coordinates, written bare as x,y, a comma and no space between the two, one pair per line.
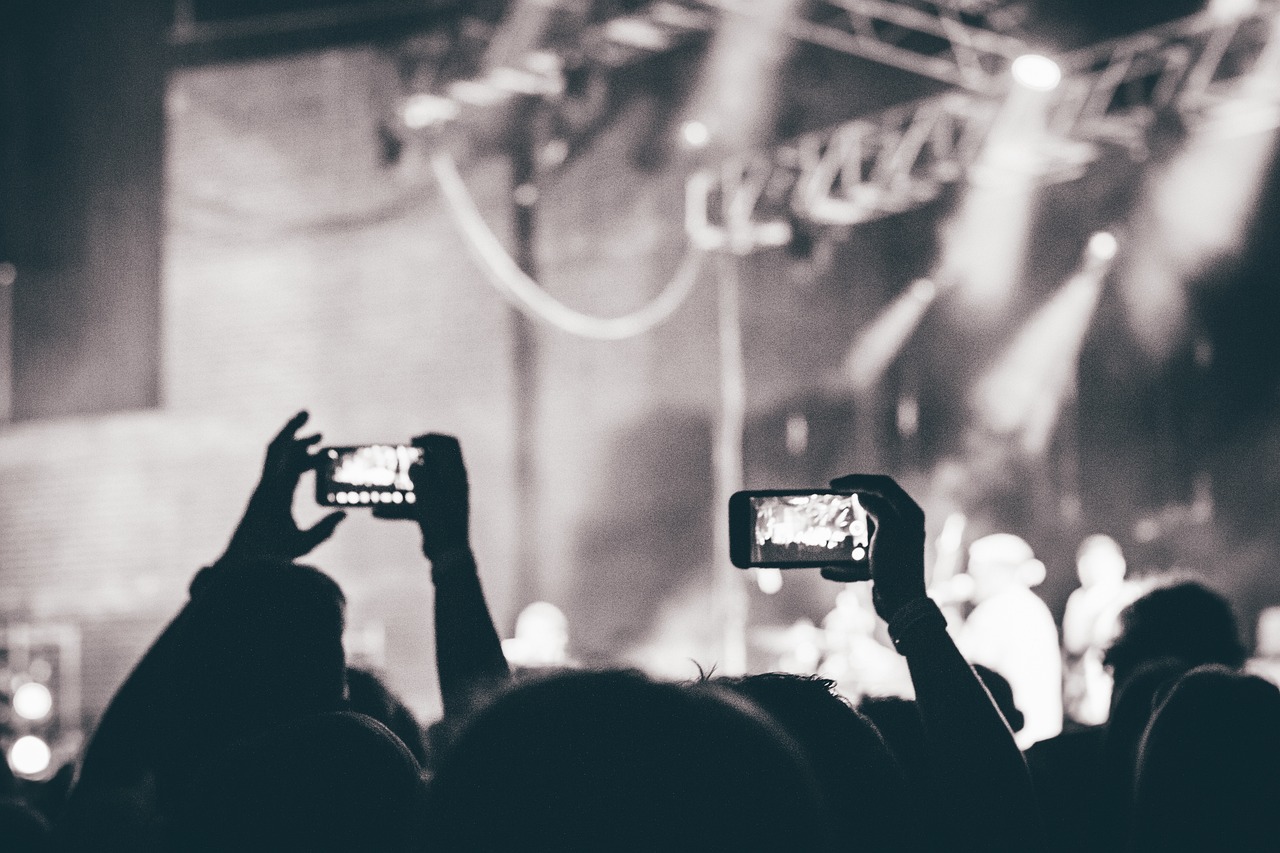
243,729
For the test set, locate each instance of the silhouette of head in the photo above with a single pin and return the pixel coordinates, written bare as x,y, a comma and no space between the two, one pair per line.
1132,704
1209,766
368,695
859,777
338,781
1182,619
260,643
613,760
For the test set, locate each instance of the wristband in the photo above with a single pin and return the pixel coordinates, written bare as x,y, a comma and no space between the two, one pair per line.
911,616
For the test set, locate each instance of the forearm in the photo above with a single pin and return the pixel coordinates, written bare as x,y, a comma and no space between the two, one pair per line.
468,651
980,773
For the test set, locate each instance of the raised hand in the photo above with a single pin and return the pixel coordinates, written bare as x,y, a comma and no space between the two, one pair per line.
268,528
896,551
442,506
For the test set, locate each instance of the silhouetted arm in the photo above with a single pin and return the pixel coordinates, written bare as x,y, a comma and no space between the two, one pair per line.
981,778
124,745
468,651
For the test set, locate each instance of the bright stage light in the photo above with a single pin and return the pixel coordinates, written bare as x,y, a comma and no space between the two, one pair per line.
1036,72
1103,245
1231,10
736,95
29,756
695,134
879,342
423,110
32,701
1021,397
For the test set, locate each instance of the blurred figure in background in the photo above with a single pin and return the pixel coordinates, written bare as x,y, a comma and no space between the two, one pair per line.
1089,624
1011,631
1265,662
541,640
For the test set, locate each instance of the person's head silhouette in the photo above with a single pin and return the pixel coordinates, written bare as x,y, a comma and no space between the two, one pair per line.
613,760
1182,619
1208,774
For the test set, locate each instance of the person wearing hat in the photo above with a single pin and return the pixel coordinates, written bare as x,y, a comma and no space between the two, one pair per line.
1011,631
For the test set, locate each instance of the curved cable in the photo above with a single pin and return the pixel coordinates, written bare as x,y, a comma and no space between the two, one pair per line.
527,295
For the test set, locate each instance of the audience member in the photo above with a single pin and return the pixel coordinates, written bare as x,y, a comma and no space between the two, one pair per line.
615,761
1090,623
1208,775
861,783
242,728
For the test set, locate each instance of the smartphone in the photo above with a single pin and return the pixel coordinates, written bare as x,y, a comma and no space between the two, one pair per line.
369,475
798,528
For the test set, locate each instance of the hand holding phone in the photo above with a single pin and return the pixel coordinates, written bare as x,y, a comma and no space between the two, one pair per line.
438,498
896,549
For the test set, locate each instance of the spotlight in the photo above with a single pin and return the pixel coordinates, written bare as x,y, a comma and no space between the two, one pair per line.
423,110
1036,72
32,701
29,756
1102,245
695,134
923,290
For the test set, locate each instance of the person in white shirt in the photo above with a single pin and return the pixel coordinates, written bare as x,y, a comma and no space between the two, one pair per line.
1011,631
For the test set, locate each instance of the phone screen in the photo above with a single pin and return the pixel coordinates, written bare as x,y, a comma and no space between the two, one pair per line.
793,529
368,475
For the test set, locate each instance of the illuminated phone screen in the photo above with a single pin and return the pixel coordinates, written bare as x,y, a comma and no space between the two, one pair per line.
368,475
809,528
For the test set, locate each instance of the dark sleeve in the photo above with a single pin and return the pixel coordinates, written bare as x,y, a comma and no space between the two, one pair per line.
121,750
982,780
125,743
468,651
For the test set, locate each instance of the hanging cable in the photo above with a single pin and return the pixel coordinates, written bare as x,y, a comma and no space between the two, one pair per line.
528,296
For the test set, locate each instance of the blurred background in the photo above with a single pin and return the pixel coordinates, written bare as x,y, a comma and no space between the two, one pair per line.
635,255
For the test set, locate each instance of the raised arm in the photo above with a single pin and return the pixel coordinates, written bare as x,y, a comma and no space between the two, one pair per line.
468,651
122,750
981,776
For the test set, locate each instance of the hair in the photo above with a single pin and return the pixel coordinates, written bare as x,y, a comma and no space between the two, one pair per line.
1208,774
862,784
1182,618
613,760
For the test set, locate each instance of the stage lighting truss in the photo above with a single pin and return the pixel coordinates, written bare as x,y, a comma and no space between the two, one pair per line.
955,42
1207,69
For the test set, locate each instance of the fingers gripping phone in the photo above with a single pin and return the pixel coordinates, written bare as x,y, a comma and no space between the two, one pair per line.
368,475
798,528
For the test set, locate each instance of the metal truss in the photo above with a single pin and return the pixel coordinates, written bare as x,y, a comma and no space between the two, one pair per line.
942,41
1207,70
958,42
